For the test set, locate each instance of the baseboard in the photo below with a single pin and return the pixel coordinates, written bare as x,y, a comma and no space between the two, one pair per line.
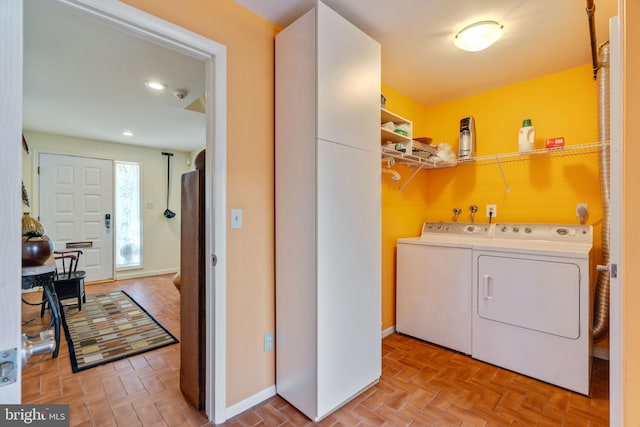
600,353
388,331
250,402
123,275
268,392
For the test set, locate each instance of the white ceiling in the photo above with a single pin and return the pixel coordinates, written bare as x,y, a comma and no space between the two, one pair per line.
84,78
418,56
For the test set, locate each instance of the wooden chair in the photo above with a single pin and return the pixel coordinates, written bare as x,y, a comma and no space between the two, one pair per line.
70,282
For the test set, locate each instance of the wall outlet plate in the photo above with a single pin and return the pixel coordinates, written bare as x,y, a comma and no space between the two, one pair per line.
493,210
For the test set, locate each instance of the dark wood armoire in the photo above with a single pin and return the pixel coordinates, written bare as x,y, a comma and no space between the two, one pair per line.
192,286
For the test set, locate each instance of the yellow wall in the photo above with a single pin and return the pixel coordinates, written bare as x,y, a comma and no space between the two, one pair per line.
630,15
402,212
250,173
541,190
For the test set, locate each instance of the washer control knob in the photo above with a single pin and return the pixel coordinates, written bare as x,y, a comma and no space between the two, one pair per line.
516,228
504,229
528,230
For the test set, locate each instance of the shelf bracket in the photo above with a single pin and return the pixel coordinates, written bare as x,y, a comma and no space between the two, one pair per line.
410,178
504,178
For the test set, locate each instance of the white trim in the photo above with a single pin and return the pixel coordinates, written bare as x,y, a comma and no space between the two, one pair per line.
216,240
11,38
170,35
600,353
251,401
388,331
616,297
128,274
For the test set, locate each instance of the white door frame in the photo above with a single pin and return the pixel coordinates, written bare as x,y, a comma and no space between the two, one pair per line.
616,331
10,174
214,54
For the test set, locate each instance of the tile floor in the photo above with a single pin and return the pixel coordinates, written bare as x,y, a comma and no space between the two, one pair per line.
421,385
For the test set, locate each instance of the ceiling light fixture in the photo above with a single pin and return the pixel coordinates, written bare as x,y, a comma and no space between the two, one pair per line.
478,36
127,133
155,85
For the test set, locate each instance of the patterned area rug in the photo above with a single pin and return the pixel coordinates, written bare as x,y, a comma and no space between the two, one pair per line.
111,326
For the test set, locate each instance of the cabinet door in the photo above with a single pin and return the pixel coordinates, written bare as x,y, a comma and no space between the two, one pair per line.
348,83
349,272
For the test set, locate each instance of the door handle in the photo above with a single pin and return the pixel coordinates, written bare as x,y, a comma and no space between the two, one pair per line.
107,221
486,287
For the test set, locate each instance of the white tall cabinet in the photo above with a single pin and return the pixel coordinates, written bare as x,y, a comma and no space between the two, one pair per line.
328,212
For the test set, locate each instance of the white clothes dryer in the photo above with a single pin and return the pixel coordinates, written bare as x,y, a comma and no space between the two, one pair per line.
531,302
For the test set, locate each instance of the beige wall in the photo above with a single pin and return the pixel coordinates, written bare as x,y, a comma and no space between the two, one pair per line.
250,173
161,237
630,15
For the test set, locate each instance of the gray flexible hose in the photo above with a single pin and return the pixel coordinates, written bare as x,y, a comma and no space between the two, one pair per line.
603,289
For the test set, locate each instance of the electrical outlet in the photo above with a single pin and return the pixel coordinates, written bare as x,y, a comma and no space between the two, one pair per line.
578,208
492,211
268,341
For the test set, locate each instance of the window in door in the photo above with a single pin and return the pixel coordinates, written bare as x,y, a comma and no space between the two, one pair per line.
128,222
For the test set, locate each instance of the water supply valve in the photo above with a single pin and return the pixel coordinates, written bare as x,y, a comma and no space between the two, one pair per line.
456,213
473,209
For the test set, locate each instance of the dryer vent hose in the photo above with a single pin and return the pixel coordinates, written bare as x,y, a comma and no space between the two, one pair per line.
602,292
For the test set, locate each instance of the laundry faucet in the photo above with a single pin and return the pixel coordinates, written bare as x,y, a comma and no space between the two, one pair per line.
473,209
456,212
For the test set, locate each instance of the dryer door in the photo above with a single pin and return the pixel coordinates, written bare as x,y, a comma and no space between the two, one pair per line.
539,295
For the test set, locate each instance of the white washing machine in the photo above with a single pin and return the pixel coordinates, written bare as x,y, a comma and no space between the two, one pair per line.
531,301
433,283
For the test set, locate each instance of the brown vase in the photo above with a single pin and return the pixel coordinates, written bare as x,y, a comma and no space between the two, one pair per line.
36,249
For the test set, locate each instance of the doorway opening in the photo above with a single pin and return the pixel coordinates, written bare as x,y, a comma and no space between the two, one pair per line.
213,55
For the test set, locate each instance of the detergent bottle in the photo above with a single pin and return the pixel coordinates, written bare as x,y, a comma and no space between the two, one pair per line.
526,136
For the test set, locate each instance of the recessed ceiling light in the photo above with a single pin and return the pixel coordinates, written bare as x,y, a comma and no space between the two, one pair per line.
127,133
478,36
155,85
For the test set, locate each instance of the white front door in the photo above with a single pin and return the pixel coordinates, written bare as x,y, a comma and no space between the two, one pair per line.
76,208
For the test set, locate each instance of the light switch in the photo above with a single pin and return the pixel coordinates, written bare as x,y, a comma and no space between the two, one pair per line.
236,218
268,341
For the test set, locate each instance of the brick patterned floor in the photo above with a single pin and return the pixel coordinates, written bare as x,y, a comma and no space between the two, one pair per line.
426,385
143,390
421,385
